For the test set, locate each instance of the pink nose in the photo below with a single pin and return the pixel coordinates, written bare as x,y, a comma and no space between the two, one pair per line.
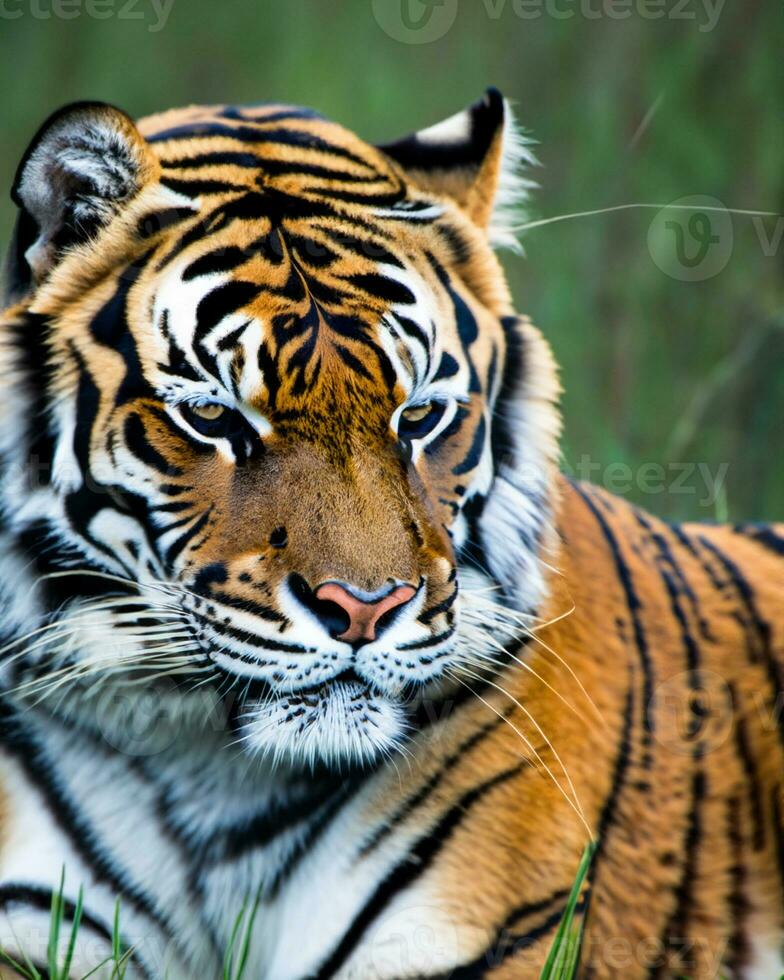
363,616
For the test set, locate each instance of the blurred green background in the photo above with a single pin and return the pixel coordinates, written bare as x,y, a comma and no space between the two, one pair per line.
671,340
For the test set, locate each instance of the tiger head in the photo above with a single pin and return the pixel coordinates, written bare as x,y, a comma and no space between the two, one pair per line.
286,432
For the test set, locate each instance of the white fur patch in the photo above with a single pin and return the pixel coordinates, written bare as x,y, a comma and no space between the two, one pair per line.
341,721
456,129
513,187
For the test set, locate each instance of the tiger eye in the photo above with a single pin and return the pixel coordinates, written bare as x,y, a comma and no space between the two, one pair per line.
209,411
416,413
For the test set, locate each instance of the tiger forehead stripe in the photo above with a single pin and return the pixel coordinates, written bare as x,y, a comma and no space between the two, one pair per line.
328,256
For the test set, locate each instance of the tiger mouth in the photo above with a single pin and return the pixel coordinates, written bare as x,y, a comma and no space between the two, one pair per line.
311,696
343,720
348,681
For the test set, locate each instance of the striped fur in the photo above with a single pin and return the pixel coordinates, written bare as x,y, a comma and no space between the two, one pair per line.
183,726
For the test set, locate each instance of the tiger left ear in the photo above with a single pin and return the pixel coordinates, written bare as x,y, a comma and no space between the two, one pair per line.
83,164
474,158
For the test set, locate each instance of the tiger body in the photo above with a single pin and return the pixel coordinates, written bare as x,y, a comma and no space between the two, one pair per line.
414,804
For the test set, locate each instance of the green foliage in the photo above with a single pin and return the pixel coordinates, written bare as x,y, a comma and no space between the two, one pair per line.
236,958
564,955
58,965
625,109
59,968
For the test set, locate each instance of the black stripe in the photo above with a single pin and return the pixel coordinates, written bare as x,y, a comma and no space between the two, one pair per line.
668,556
260,113
670,581
634,606
317,829
763,534
778,832
31,337
257,134
139,445
216,158
70,818
40,898
676,929
736,956
465,322
352,362
751,775
243,636
429,641
195,188
223,259
263,611
158,221
220,302
474,454
414,864
232,842
109,327
217,304
508,944
277,168
694,551
774,670
390,290
620,771
177,547
379,199
429,615
427,789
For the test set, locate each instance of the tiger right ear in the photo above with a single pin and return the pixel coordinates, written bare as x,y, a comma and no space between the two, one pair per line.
474,158
83,164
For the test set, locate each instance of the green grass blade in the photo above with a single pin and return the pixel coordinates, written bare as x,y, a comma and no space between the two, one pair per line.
245,950
29,972
116,941
228,957
77,921
55,923
95,969
557,959
121,965
30,969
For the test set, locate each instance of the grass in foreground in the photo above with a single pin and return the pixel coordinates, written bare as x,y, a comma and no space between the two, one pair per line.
561,963
564,956
57,969
234,964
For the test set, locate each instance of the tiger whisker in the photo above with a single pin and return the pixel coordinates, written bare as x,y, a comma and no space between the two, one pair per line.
84,668
531,748
536,725
168,588
61,640
522,663
83,611
531,634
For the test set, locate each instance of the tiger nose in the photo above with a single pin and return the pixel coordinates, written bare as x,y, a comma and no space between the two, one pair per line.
363,615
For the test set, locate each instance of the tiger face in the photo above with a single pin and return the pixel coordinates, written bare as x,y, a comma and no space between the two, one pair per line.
286,415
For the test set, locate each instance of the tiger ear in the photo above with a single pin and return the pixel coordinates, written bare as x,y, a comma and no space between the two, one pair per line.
83,164
474,158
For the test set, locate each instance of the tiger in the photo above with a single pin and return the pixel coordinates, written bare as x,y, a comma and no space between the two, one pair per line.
309,646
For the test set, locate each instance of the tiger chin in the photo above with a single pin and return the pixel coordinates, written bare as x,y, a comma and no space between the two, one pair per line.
299,613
